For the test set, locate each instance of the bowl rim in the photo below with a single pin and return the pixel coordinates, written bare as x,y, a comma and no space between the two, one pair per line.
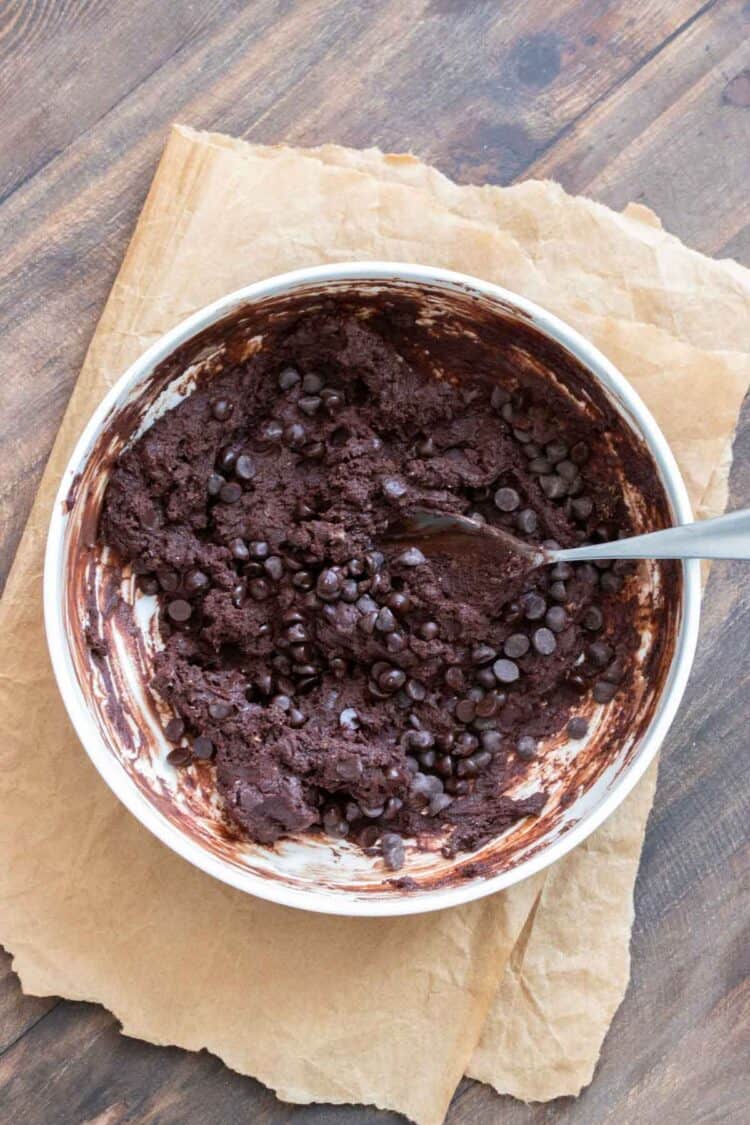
346,903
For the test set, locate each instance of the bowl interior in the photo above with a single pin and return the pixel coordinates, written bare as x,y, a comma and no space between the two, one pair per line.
103,662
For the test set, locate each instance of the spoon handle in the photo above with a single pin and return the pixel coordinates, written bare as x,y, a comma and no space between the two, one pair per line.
726,537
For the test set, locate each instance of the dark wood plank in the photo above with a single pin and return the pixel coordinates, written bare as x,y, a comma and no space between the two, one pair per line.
674,136
644,101
18,1013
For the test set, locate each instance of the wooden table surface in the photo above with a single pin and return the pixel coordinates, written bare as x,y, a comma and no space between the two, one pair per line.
644,100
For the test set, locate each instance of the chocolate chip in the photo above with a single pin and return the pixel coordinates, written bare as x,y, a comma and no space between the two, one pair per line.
392,808
179,611
426,447
391,680
521,434
367,622
616,672
395,642
214,483
567,470
394,488
385,622
466,768
303,580
196,580
544,641
558,591
600,654
527,521
488,706
239,550
517,644
338,667
349,719
492,741
454,678
328,586
349,591
332,403
507,499
244,467
296,718
203,748
541,466
181,756
412,556
174,729
603,691
553,486
465,745
398,602
259,549
438,804
533,605
227,458
556,451
274,568
288,378
527,747
259,589
310,404
416,691
578,727
582,507
230,492
592,619
556,618
562,570
506,671
429,630
238,594
264,683
485,677
444,766
221,409
312,383
466,710
374,561
295,435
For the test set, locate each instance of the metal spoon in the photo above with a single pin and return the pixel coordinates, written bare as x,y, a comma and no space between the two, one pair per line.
726,537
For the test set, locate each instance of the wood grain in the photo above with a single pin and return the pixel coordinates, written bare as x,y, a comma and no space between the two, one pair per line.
646,101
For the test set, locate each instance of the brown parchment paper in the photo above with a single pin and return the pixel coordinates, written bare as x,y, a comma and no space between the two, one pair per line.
389,1012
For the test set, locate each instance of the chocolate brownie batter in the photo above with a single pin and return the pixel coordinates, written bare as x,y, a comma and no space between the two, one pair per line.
339,681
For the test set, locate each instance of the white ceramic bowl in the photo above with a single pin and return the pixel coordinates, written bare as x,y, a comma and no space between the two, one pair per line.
114,715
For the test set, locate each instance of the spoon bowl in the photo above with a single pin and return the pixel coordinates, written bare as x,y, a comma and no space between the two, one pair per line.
725,537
